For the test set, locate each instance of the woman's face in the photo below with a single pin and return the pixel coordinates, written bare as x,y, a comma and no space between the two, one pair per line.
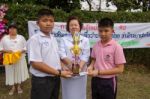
74,26
12,31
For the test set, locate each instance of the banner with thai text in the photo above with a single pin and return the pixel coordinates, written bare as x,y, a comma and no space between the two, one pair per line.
129,35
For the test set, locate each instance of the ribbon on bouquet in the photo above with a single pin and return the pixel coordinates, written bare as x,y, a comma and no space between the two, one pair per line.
11,58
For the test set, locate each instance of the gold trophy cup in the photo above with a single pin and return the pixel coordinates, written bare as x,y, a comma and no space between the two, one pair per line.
76,50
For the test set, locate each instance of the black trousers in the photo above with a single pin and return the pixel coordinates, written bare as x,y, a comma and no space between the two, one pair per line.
104,88
45,87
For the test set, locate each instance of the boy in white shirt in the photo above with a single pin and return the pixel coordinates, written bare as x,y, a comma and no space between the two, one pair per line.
44,59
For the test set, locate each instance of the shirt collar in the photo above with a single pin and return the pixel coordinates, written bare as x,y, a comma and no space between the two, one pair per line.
43,35
69,37
108,43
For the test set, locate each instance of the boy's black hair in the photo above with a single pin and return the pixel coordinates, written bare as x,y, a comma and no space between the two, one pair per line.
106,22
45,12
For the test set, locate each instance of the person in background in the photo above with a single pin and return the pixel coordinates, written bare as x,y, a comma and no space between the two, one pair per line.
18,72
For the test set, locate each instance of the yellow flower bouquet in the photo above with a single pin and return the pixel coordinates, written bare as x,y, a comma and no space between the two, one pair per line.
11,58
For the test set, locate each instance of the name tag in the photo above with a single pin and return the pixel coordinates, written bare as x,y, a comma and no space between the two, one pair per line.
45,43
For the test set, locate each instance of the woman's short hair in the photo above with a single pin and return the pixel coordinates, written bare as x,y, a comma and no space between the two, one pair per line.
73,18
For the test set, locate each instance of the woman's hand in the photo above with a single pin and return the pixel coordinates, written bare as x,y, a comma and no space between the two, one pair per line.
23,51
81,64
66,68
7,51
80,68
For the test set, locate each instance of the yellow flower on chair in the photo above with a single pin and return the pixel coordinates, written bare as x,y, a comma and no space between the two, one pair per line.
11,58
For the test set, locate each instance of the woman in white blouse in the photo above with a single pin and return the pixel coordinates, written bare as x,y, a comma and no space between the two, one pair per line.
15,73
74,87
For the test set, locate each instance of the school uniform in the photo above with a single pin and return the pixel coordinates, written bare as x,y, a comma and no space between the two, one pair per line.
43,48
74,87
18,72
107,57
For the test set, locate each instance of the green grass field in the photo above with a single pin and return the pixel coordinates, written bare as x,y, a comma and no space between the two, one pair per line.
134,83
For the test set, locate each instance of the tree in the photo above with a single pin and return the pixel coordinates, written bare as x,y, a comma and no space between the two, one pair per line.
89,3
66,5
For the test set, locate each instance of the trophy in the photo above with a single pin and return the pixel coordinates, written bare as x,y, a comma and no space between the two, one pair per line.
76,50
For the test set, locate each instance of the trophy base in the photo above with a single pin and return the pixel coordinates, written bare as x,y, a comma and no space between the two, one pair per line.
75,69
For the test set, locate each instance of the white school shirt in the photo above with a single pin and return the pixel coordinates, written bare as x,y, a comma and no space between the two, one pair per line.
17,44
66,43
42,48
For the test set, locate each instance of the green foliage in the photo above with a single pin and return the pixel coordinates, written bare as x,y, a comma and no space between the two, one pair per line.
66,5
69,5
125,4
128,4
22,13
